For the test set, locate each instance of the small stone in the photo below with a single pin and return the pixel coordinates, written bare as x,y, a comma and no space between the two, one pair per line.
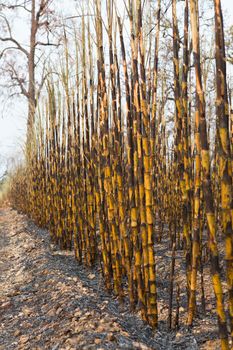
6,305
51,313
110,337
115,326
14,293
72,341
91,276
97,341
26,325
92,326
178,335
24,339
126,334
59,310
77,313
17,333
26,311
101,329
55,347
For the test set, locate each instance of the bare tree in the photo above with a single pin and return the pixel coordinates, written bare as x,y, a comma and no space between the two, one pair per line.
42,20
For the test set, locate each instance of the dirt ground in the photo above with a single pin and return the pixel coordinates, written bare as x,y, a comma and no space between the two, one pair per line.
48,301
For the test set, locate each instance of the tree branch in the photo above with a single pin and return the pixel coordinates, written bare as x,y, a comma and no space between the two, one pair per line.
15,77
13,7
47,44
6,49
19,47
11,39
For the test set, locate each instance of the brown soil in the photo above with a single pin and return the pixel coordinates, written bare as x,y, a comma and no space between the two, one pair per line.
48,301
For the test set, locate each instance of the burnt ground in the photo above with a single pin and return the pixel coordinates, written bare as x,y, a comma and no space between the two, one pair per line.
48,301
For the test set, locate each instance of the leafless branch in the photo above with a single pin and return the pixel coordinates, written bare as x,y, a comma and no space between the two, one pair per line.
15,77
6,49
13,7
11,39
47,44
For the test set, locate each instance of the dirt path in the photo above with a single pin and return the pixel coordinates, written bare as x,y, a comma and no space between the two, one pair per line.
48,301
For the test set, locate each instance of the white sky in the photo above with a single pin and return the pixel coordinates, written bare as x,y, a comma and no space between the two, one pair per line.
13,120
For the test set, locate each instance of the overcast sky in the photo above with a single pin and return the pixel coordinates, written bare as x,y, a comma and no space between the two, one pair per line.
13,116
13,120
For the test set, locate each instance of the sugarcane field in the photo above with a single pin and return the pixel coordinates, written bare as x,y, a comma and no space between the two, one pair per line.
116,174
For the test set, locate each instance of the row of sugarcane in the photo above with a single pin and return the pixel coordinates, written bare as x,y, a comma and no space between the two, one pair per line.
102,175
